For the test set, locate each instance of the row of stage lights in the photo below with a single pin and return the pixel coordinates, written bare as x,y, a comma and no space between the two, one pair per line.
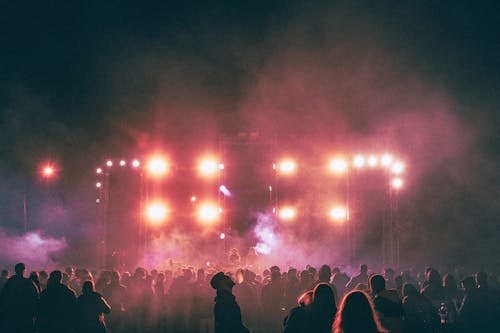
157,212
159,166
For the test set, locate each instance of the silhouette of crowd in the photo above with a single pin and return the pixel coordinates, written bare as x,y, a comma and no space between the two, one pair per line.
185,299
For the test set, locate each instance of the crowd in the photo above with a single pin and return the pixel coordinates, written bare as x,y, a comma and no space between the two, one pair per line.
309,300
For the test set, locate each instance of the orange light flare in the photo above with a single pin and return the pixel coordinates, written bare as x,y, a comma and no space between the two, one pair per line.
48,171
287,213
209,167
156,213
359,161
338,165
397,183
208,213
157,166
287,167
339,214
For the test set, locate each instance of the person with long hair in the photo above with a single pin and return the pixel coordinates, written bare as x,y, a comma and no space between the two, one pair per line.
357,315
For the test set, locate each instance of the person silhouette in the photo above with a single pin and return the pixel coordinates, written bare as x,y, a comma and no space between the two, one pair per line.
357,314
57,306
91,307
227,312
17,302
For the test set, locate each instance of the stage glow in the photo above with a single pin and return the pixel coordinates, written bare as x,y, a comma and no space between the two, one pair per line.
287,213
109,163
98,171
386,160
123,163
98,184
209,167
338,214
372,161
156,213
397,183
193,198
222,235
157,166
287,167
359,161
136,163
397,168
338,165
208,213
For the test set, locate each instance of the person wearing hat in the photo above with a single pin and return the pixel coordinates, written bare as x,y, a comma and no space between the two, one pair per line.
227,312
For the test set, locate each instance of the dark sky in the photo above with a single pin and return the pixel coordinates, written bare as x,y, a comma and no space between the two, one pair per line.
79,80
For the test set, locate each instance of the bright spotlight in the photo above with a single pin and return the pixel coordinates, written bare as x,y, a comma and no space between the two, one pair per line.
222,235
397,183
109,163
98,184
397,168
136,163
338,214
287,213
386,160
193,198
338,165
372,161
359,161
157,166
123,163
209,167
156,212
287,166
98,171
48,171
208,213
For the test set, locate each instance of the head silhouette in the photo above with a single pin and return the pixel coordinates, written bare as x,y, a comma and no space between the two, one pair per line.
357,314
323,298
88,287
20,268
377,283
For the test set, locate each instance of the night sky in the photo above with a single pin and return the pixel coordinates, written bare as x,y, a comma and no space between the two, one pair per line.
81,81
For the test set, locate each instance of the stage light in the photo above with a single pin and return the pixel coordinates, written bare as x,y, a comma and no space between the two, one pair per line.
109,163
98,171
338,165
397,168
287,167
123,163
136,163
372,161
156,213
157,166
396,183
98,184
209,167
208,213
193,198
224,190
386,160
97,201
338,214
287,213
359,161
48,171
222,235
